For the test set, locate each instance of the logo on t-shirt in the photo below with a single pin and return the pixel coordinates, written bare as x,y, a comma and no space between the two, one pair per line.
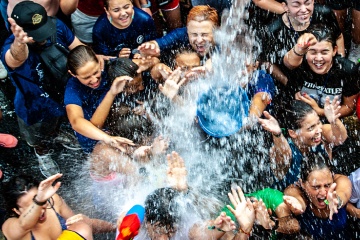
140,39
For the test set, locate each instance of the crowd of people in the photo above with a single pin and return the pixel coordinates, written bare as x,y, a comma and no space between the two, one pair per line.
117,71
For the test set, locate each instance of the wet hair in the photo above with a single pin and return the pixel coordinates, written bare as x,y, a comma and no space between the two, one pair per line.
203,13
17,187
106,3
295,115
121,67
314,161
162,208
79,56
323,32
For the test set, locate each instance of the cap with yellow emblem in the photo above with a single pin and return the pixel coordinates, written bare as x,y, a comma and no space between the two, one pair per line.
32,17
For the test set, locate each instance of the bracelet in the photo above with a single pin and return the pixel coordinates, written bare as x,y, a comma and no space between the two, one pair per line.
37,202
242,231
213,227
340,202
297,54
277,135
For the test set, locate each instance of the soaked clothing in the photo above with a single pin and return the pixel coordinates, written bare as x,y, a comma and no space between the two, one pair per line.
62,222
324,228
293,175
88,99
341,80
32,103
109,40
277,39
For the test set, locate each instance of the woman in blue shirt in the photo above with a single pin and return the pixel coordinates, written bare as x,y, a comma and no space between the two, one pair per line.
120,30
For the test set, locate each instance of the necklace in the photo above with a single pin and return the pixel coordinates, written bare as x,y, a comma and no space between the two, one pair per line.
293,29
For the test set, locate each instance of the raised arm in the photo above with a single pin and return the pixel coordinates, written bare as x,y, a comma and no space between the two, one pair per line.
294,57
280,153
19,51
270,5
102,111
335,132
17,228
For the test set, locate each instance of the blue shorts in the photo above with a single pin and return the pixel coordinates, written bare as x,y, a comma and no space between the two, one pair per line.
343,4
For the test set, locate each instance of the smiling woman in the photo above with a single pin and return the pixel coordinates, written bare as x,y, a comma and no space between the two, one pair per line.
307,134
318,73
120,30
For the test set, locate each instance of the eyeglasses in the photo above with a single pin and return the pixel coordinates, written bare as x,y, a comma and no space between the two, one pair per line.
51,203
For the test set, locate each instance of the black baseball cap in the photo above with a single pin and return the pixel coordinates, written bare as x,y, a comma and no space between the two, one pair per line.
33,18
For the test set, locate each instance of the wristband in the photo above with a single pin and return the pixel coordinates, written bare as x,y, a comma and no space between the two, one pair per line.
37,202
242,231
277,135
340,202
297,54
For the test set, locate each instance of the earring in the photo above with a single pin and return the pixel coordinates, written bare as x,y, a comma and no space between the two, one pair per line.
110,19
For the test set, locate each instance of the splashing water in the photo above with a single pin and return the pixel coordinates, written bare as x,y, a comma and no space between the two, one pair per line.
212,164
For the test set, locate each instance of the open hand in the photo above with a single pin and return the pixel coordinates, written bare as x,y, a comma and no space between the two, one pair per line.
331,110
293,204
270,123
46,188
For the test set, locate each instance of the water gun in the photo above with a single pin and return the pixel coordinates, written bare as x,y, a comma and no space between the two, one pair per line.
131,223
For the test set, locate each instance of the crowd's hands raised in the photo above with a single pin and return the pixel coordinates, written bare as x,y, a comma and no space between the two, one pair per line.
224,223
195,73
309,100
262,215
119,142
20,35
243,209
158,147
118,84
149,49
47,188
333,201
293,204
145,63
270,123
176,173
304,42
331,110
172,84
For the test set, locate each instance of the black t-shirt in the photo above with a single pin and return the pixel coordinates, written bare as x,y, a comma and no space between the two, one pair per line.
277,39
341,80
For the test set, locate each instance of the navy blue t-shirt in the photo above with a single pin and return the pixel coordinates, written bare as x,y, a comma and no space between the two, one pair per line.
32,103
88,99
109,40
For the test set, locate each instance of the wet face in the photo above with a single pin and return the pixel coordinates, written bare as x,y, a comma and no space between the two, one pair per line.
89,74
25,201
317,185
310,133
320,57
120,13
157,232
187,61
201,36
300,10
